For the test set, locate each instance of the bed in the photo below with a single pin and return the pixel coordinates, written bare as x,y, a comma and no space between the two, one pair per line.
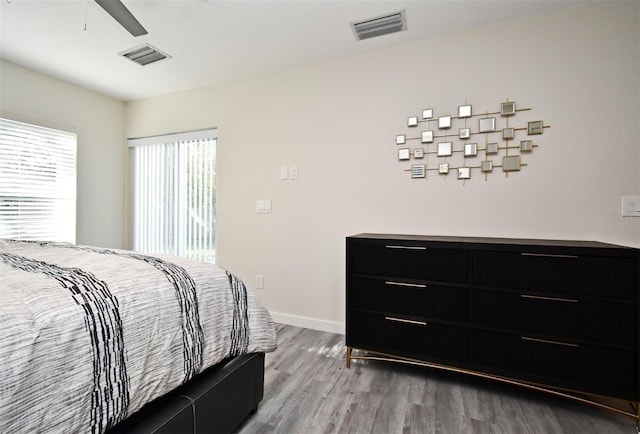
106,341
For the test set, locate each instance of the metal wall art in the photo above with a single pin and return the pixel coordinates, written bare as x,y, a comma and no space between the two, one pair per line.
447,144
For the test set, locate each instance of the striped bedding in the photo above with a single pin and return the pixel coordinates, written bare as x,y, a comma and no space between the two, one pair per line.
89,335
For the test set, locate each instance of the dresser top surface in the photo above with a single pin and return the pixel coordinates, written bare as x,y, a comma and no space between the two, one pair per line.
487,240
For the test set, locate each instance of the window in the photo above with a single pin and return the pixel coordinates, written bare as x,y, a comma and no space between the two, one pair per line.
174,194
37,182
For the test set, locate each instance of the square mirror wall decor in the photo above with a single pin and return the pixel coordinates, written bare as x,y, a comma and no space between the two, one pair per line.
534,127
418,171
511,163
487,125
508,133
526,146
444,122
470,149
464,173
404,154
444,149
464,111
508,108
502,139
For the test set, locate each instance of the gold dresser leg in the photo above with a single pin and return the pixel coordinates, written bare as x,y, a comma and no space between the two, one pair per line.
348,357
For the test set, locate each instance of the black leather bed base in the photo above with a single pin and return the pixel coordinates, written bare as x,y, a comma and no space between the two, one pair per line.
218,400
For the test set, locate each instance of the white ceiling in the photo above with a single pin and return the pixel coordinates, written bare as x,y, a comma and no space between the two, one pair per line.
219,41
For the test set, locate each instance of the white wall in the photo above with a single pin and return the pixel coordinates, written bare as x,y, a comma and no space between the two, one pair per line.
577,69
28,96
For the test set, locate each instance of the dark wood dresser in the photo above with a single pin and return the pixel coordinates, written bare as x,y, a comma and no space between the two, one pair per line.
561,316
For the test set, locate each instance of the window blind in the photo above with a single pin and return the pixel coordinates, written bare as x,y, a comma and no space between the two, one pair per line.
37,182
174,194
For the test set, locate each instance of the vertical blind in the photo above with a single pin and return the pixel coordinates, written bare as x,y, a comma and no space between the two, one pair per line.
174,194
37,182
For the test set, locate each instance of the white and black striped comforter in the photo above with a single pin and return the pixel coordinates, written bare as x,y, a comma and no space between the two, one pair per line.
89,335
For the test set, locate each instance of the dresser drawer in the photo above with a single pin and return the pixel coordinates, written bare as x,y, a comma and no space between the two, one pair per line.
603,276
587,368
409,260
410,298
409,337
598,322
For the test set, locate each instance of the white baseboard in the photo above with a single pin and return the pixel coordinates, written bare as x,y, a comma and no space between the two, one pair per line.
309,323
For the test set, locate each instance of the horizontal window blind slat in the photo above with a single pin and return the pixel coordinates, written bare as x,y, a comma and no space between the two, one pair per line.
37,182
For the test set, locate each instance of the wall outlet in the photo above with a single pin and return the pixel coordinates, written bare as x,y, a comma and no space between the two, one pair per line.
259,281
263,206
630,206
293,172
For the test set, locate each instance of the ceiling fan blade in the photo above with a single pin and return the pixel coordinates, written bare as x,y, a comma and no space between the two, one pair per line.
121,14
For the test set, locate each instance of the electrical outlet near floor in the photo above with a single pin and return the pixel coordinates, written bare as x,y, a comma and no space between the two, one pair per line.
259,281
630,206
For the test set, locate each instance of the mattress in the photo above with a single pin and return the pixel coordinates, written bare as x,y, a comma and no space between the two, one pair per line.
89,335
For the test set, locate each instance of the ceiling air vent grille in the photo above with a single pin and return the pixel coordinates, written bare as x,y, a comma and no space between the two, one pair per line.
379,26
144,54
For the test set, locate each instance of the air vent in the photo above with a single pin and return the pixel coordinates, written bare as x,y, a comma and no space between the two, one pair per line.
144,54
379,26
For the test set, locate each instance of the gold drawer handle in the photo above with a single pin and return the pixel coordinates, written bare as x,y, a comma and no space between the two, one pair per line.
403,320
413,285
545,255
406,247
545,341
536,297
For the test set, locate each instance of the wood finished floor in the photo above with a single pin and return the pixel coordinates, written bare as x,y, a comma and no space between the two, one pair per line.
309,390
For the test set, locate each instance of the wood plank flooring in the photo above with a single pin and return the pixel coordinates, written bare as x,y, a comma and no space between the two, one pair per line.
309,390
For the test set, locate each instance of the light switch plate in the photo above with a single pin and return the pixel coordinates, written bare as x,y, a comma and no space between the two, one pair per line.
630,206
284,172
